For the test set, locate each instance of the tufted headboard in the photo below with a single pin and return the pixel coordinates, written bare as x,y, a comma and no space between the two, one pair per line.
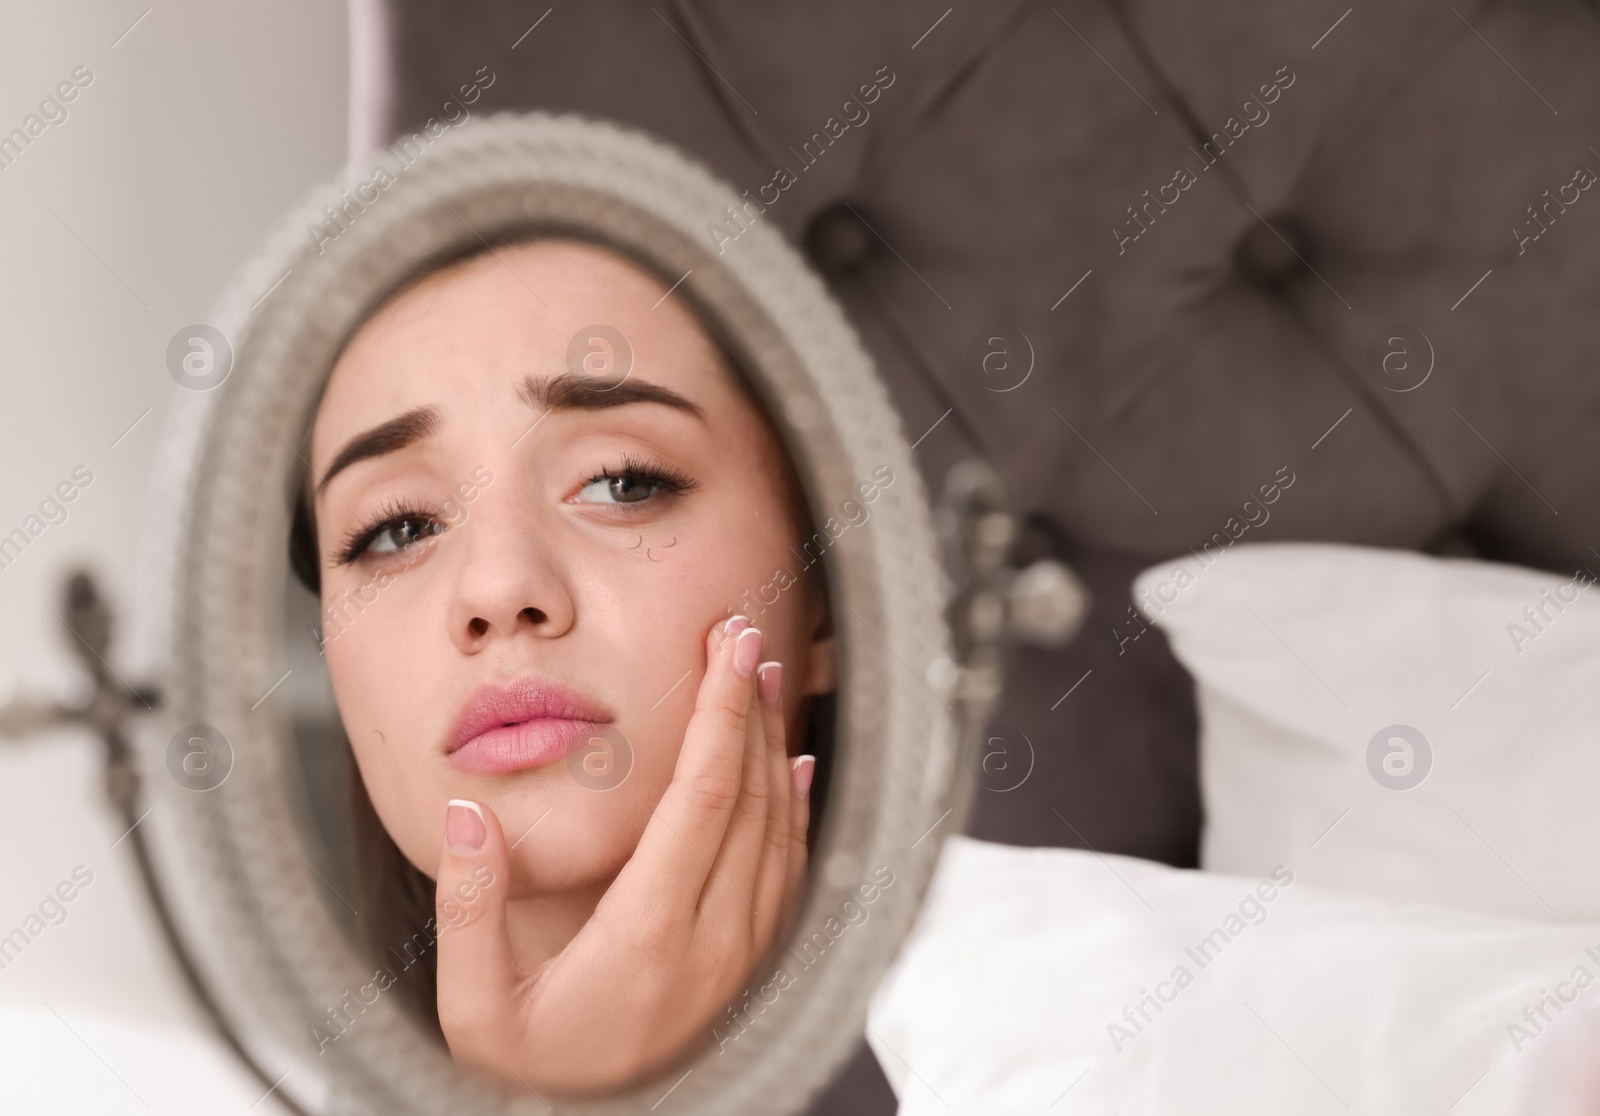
1186,274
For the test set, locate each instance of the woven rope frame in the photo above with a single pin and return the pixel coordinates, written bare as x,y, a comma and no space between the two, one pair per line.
215,578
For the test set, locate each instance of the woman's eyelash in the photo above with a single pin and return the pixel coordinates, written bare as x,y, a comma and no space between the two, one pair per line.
391,515
667,477
395,513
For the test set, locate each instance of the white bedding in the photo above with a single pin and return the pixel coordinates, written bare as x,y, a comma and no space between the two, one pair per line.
1303,654
1020,989
1399,758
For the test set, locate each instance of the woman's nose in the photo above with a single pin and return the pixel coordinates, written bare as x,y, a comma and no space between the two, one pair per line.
510,582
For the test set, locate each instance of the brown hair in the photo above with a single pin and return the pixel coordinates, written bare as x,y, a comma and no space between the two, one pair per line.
396,898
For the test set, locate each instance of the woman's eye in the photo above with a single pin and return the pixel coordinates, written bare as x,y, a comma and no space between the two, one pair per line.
396,529
401,533
624,489
635,481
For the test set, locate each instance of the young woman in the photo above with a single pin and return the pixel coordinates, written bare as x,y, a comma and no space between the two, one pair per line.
572,751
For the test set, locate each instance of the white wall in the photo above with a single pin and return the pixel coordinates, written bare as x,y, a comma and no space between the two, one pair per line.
117,228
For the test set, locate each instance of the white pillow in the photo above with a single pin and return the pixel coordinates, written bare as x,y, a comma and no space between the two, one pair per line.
1010,996
1304,656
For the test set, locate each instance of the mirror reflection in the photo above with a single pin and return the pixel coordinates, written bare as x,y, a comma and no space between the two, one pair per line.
582,653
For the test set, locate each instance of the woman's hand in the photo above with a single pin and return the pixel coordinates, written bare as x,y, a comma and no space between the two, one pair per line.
677,933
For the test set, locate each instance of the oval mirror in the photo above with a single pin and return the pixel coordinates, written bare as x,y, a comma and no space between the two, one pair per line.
380,344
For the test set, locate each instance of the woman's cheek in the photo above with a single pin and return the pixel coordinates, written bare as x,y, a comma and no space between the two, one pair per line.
365,671
381,685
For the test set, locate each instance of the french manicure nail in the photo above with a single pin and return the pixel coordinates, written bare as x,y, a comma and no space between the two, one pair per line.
732,626
769,681
464,830
802,768
747,650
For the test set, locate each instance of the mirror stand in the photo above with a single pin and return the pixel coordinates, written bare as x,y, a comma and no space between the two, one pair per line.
87,620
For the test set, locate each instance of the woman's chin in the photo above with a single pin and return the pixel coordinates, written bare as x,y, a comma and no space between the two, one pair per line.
571,858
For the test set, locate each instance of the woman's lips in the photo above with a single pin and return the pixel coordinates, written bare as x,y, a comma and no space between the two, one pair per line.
514,747
504,727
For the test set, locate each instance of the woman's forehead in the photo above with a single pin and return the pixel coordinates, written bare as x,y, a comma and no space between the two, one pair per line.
537,294
547,274
478,328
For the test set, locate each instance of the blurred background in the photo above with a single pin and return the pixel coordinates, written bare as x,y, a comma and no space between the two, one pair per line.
1216,247
201,125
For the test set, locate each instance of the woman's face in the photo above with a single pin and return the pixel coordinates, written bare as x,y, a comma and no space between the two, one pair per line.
507,539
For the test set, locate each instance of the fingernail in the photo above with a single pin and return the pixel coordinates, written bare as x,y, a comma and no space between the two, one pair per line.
801,769
769,681
730,627
747,650
464,830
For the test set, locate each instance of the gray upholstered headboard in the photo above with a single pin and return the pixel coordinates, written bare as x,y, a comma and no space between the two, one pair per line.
1228,237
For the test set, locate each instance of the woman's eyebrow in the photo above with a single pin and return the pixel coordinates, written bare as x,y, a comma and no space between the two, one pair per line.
571,392
386,437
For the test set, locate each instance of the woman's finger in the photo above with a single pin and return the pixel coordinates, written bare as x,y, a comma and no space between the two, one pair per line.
802,770
478,974
774,869
731,890
674,856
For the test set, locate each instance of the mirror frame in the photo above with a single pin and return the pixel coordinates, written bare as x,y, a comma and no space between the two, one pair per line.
210,620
